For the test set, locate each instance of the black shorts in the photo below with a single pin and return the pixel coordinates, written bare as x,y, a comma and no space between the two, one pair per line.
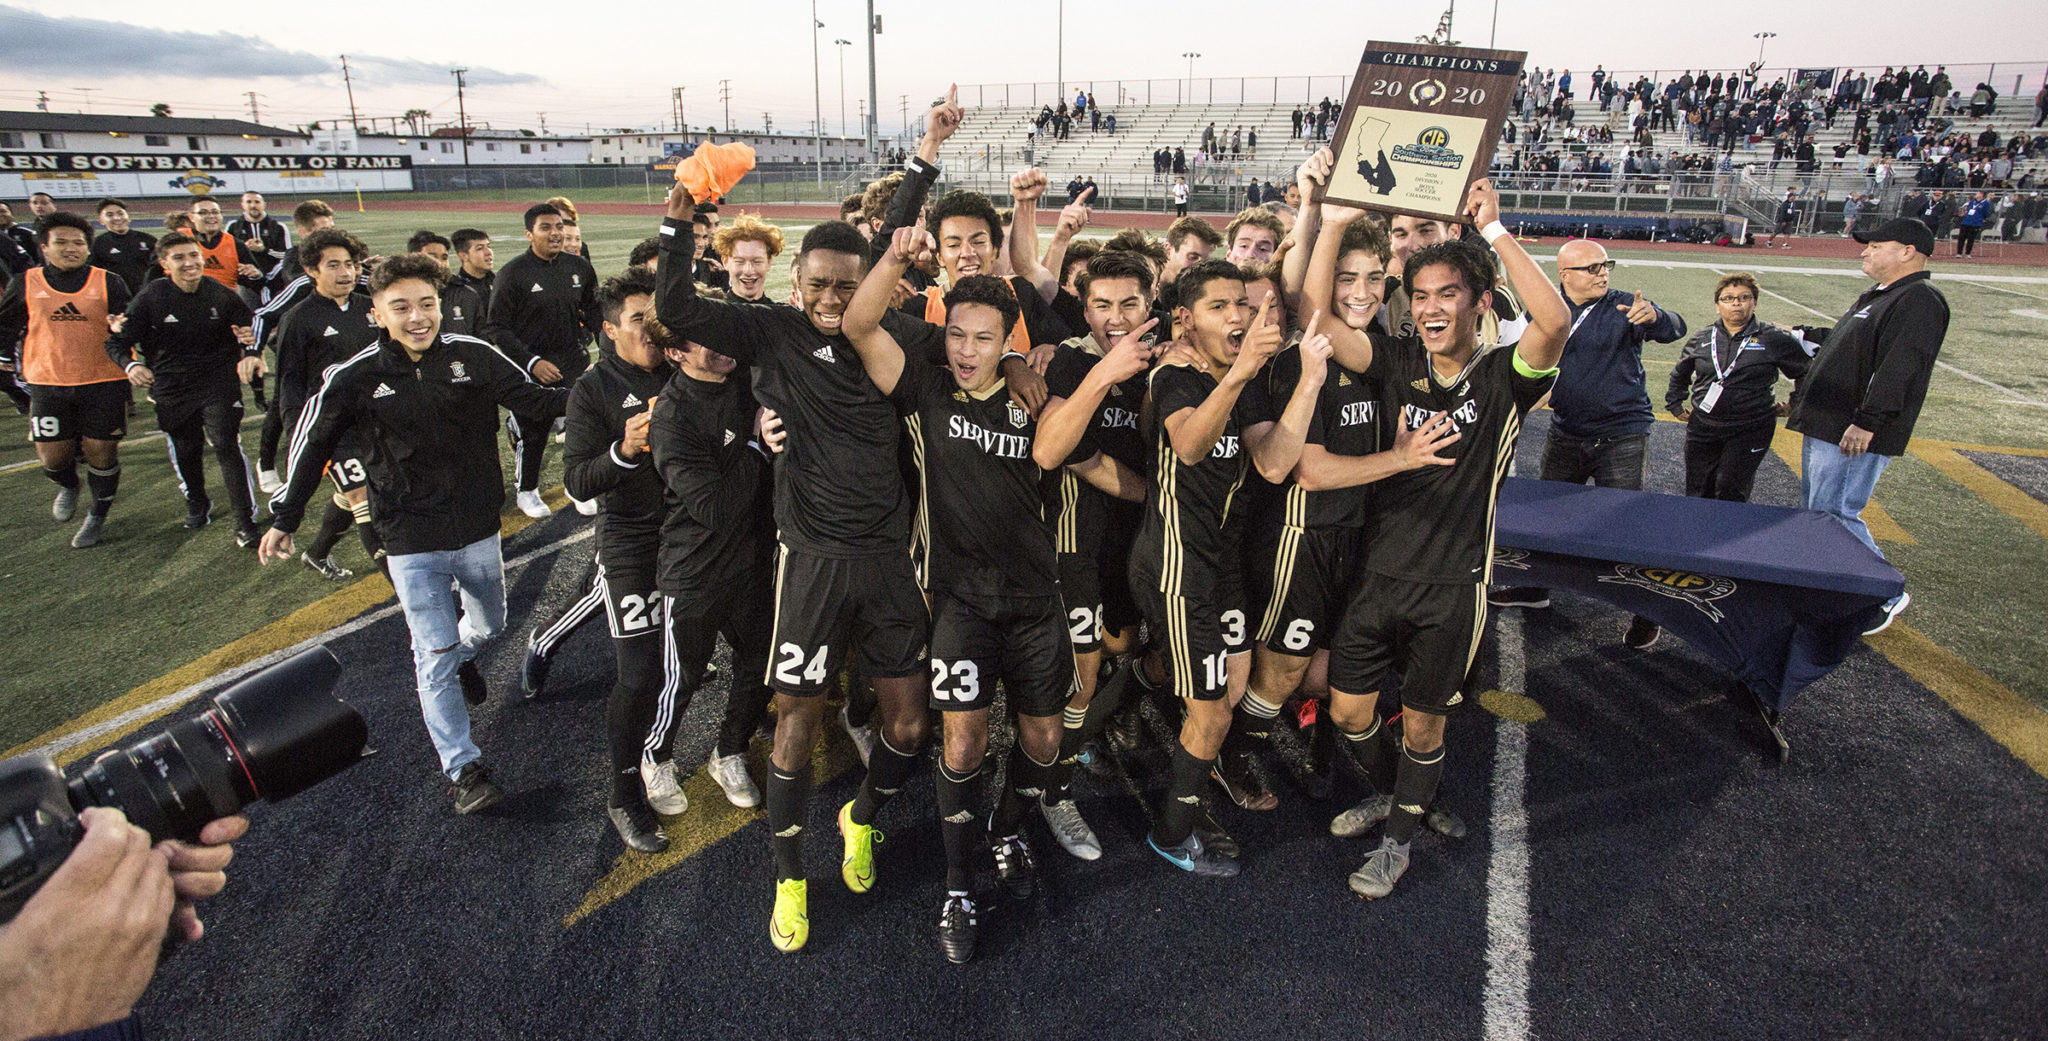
1025,645
1429,631
1312,571
740,610
632,601
1081,590
96,411
826,606
1196,633
1119,530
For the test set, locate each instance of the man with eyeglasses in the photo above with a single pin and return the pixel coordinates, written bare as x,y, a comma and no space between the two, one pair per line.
1601,419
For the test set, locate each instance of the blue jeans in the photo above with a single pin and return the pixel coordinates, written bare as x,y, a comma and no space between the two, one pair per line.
442,641
1834,483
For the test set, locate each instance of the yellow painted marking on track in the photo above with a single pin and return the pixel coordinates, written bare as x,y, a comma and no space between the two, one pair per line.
1785,444
710,820
1987,486
1965,446
2009,719
306,622
1515,708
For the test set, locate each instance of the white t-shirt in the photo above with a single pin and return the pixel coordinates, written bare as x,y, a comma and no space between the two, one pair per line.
1180,194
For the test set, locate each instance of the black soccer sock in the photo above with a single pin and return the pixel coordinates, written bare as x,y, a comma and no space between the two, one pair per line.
1025,782
1414,790
627,716
1251,724
373,543
104,484
1183,798
959,816
888,770
1059,781
789,802
332,523
1368,751
65,478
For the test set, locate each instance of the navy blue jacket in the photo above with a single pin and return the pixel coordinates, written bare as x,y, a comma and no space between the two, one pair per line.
1600,390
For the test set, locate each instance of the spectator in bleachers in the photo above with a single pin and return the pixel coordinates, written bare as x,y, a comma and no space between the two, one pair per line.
1295,118
1251,143
1180,161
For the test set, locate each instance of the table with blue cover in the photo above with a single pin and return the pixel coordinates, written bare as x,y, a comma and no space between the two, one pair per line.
1779,596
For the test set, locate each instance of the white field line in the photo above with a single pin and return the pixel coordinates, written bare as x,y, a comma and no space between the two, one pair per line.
1509,949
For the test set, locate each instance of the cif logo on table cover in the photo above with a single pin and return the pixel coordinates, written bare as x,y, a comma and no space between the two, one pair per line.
1696,589
1514,558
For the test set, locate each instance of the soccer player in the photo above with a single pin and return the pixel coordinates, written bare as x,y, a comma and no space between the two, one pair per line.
187,339
705,266
969,237
120,249
1253,234
748,245
844,582
23,237
466,299
327,329
431,243
606,461
1189,241
227,259
1421,607
78,398
269,244
288,287
543,312
991,568
430,401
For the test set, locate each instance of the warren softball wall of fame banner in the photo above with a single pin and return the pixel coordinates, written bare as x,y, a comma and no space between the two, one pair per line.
1420,125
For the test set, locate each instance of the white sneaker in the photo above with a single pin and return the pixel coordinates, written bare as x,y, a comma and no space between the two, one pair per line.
730,772
863,737
1071,829
530,504
1891,611
664,789
267,481
586,507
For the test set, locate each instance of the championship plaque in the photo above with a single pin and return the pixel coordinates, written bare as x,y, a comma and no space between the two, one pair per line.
1419,127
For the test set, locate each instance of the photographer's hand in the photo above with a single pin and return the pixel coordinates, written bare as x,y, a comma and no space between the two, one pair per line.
198,872
83,948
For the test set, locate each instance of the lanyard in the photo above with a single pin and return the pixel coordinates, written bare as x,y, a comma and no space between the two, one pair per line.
1714,354
1580,320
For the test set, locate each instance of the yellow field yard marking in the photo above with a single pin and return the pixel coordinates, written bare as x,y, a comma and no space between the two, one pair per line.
1786,444
1987,486
1965,446
2009,719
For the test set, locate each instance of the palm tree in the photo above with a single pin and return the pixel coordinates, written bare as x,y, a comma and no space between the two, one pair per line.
160,110
416,117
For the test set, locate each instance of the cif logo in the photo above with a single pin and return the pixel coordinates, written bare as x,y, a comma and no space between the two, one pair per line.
198,182
1427,92
1698,590
1434,137
1679,581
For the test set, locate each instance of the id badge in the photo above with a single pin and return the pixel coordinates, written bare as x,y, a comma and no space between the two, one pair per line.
1712,395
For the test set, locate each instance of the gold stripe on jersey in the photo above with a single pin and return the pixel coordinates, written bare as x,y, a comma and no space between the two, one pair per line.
1293,528
775,631
1478,625
1169,520
1178,654
921,528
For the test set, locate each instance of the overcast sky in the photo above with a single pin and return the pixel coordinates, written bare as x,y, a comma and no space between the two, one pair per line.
616,68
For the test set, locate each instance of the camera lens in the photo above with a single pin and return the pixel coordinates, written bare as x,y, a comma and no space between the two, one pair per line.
268,737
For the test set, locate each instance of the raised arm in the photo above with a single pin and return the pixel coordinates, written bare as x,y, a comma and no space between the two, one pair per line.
1193,432
1310,179
1277,451
879,352
921,170
1542,344
1065,420
1026,187
733,330
1351,347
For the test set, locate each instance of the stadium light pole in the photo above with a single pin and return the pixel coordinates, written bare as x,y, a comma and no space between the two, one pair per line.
1761,39
817,94
1059,51
874,100
842,45
1190,56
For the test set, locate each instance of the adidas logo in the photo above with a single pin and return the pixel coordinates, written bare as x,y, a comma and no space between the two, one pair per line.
331,331
632,401
535,289
113,249
67,313
1456,698
962,817
1421,384
1343,380
728,437
824,353
1409,807
1190,799
170,319
383,391
790,832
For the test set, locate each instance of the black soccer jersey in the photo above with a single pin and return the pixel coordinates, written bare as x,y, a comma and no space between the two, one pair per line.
1435,524
980,507
1346,422
131,255
545,310
318,334
186,339
1183,541
1077,510
719,526
838,489
628,491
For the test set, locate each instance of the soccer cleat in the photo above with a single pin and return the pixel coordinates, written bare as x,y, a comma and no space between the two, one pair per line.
1073,832
268,482
1233,773
89,532
858,869
1193,857
586,507
474,689
664,788
1891,612
534,675
1518,596
1126,730
1214,837
1016,867
1382,868
66,506
1360,819
637,825
957,927
790,925
1641,634
326,568
529,503
730,771
474,789
198,514
247,533
863,736
1444,822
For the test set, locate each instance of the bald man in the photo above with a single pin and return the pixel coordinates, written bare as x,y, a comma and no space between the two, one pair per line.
1601,418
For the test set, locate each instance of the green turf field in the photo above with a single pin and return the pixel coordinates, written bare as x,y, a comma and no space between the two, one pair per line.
88,626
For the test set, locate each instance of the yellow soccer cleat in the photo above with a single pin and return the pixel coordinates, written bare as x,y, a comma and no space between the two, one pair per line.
858,869
791,924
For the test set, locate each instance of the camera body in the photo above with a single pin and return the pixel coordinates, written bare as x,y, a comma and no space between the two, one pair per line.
269,737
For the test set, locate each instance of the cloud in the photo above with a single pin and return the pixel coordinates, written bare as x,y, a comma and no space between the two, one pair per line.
33,41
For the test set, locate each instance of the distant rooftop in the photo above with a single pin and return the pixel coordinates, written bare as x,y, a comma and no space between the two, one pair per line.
84,123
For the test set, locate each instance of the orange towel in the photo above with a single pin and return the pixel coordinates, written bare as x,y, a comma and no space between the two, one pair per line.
714,169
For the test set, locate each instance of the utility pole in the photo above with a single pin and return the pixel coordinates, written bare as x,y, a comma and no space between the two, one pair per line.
1059,62
543,124
817,93
254,115
725,95
42,101
676,93
874,101
351,85
906,118
462,112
